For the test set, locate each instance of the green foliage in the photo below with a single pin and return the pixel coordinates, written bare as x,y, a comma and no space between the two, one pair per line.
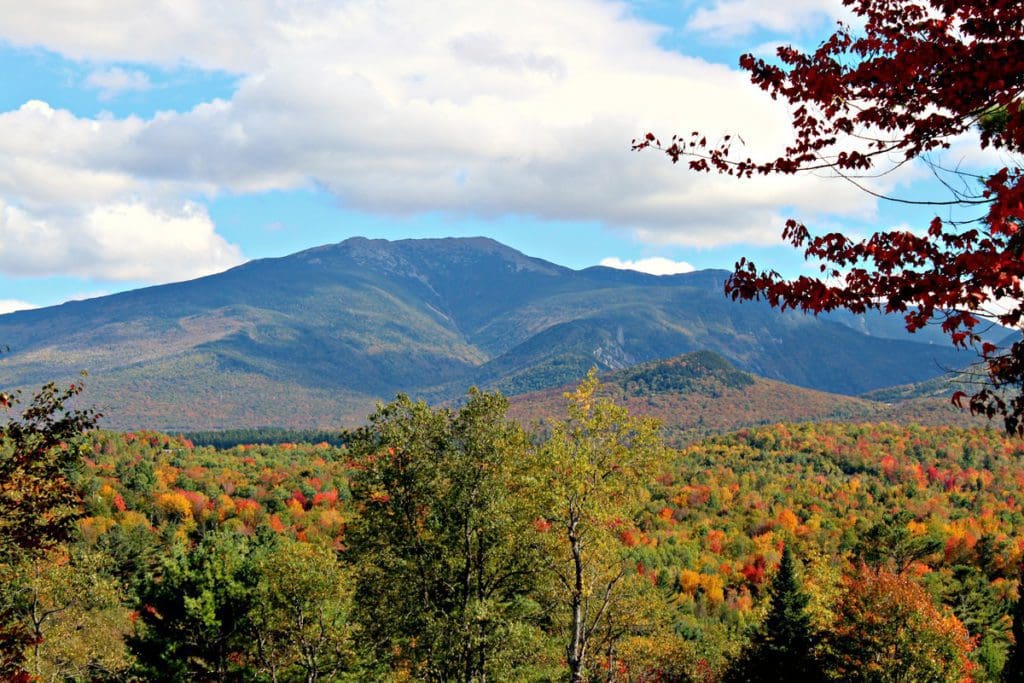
444,545
299,619
982,608
592,470
78,617
195,612
785,641
697,372
229,438
343,546
888,543
1013,670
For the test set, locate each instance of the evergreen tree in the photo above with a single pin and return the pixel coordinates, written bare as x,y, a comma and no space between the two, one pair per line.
782,649
1013,671
195,613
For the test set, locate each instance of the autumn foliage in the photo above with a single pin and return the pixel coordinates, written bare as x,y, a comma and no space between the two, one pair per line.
435,536
911,79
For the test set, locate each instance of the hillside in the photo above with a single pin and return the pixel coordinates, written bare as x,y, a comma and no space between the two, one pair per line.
938,506
701,393
315,338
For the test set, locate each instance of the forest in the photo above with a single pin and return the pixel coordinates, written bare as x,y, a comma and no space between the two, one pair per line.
444,544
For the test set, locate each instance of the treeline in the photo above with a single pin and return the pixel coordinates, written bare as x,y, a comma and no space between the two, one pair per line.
229,438
445,545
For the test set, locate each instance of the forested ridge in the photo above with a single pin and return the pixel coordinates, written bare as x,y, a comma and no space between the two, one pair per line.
450,544
316,338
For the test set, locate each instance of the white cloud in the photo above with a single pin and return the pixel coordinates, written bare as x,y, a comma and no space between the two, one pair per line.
12,305
163,32
69,204
733,18
656,265
114,81
395,107
114,242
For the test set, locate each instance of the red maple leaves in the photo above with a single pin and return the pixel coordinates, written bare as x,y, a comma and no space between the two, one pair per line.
912,78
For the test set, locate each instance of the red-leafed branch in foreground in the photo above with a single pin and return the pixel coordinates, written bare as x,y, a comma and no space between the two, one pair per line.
913,77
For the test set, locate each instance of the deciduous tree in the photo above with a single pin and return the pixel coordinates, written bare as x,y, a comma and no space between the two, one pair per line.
445,551
39,502
888,629
910,78
300,612
592,471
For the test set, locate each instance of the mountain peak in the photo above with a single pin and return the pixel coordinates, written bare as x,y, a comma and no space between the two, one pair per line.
695,371
411,256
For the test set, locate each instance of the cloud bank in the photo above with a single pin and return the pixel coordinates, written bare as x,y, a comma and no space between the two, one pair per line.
482,110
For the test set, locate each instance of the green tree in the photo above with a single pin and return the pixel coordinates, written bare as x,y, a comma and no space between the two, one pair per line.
592,472
195,612
300,612
446,558
979,605
77,617
1013,670
785,641
888,543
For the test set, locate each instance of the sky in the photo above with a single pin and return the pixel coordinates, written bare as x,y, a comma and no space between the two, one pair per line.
160,140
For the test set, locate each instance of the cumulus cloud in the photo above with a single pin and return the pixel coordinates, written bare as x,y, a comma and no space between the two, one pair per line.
114,81
656,265
395,107
114,242
12,305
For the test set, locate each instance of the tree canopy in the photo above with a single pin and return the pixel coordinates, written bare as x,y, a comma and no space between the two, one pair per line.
914,76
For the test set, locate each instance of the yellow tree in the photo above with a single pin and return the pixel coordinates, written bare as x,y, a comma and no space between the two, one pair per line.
591,473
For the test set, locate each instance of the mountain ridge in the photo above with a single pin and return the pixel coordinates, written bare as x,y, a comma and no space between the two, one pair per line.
700,394
321,334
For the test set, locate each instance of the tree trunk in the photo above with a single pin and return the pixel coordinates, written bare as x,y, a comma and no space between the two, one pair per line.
578,640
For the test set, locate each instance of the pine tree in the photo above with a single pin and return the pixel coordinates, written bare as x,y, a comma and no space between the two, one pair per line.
782,649
1013,671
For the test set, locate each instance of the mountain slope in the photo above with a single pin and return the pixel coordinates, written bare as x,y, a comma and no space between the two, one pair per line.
701,393
312,339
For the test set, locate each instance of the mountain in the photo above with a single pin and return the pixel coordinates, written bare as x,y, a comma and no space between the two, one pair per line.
314,338
698,394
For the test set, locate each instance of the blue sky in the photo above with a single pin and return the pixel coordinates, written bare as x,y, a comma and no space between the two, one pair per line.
150,142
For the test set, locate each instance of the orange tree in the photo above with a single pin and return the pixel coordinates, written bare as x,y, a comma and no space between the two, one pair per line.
915,75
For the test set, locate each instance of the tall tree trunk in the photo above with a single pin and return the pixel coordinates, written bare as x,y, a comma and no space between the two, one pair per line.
577,649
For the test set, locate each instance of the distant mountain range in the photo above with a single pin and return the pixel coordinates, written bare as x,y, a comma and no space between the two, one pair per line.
701,393
315,338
